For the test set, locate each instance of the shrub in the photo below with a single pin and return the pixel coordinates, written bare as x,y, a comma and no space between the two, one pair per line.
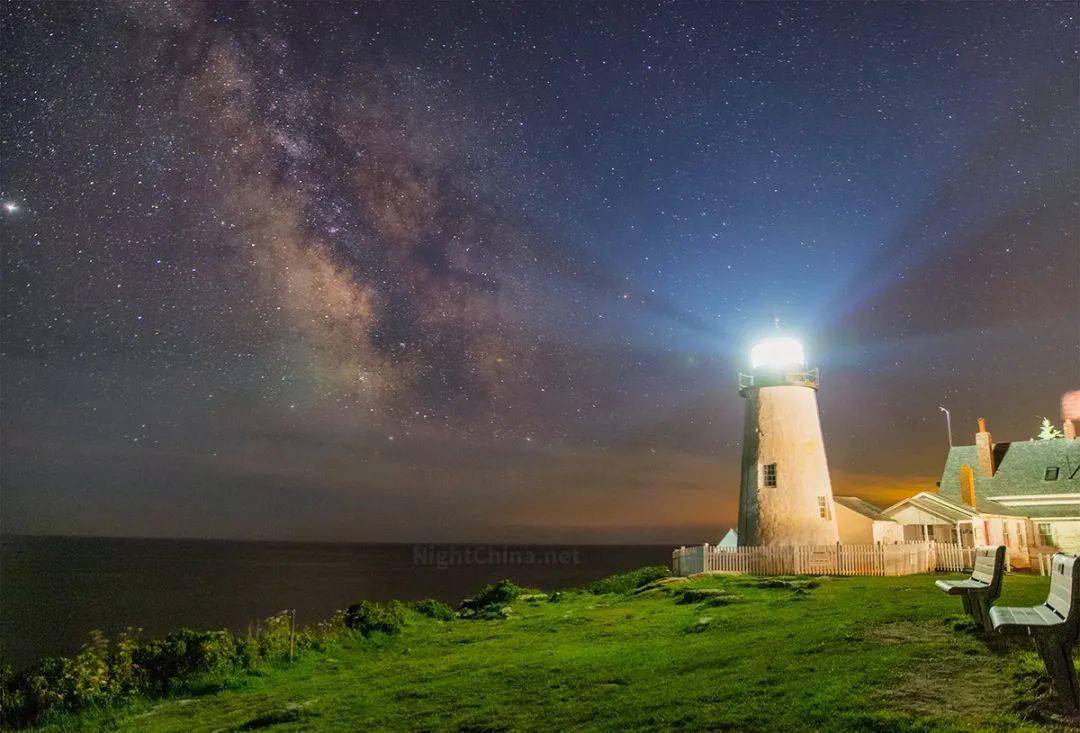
84,678
368,618
182,659
247,651
626,582
322,633
433,609
67,683
276,637
489,602
28,694
183,654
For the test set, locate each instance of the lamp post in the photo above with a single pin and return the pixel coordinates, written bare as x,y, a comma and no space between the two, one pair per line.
948,423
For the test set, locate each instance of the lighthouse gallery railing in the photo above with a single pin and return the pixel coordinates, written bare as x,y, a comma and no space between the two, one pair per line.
808,377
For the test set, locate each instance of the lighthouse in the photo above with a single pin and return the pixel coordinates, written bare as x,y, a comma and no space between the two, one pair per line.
785,497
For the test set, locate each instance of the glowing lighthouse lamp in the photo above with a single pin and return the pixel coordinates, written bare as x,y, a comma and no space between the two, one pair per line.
785,495
777,353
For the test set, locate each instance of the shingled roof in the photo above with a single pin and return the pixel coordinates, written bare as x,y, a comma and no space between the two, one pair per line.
1021,472
939,506
862,506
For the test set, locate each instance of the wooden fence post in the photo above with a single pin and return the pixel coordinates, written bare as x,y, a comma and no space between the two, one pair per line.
292,636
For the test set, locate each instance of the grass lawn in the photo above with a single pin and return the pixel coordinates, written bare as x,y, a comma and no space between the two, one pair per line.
887,654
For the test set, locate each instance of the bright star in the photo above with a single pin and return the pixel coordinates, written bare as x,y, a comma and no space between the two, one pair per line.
11,207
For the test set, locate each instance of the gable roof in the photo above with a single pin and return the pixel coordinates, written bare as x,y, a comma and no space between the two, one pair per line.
938,506
1020,471
861,506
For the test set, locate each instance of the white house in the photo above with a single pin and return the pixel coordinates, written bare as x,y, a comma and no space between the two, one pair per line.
1024,495
861,523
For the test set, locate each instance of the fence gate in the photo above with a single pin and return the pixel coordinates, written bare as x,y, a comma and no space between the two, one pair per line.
820,561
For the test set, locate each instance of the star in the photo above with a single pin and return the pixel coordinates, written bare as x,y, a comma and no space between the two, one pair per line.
11,207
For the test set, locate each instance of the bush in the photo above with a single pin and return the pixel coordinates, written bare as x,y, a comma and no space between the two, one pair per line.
368,618
433,609
276,637
183,654
126,677
93,676
489,602
626,582
67,683
322,633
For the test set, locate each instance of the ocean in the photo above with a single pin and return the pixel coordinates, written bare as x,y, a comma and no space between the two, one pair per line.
55,590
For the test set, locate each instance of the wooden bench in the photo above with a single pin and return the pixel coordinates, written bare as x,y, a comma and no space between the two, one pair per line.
1055,625
984,585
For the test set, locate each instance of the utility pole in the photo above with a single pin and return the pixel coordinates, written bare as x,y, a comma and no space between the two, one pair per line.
948,423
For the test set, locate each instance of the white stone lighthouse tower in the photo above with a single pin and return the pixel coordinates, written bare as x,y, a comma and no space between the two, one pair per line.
786,497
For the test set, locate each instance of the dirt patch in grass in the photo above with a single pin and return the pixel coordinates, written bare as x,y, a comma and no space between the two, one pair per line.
288,714
937,690
997,674
1034,695
908,632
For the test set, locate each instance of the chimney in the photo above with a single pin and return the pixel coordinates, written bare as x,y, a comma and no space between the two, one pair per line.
1069,430
984,448
967,485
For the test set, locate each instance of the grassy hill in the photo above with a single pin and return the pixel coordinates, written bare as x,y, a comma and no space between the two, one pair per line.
716,653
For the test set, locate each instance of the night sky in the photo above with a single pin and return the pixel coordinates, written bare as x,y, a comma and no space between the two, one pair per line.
489,272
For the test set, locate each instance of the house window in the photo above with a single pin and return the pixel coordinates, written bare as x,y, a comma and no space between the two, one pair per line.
1046,534
1051,473
823,507
929,531
768,473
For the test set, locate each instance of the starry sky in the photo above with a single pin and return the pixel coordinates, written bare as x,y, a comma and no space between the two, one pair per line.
489,271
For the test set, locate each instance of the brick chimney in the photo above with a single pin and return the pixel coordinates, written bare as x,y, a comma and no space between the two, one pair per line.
1069,430
984,448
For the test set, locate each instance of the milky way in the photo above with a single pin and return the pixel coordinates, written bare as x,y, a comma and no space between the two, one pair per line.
490,271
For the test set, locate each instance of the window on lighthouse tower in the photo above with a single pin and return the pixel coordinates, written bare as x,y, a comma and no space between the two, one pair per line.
768,474
823,507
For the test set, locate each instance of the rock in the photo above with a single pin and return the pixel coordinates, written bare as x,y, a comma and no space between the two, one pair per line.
662,583
697,595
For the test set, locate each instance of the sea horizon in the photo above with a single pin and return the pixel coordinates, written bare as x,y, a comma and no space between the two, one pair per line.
55,589
179,538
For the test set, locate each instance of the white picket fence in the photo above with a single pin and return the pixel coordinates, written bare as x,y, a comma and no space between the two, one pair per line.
905,558
1043,561
952,557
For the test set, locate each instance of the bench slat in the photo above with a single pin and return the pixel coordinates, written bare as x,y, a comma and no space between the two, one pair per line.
1020,616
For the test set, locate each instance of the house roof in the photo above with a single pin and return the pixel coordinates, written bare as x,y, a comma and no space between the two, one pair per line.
1020,472
951,512
861,506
